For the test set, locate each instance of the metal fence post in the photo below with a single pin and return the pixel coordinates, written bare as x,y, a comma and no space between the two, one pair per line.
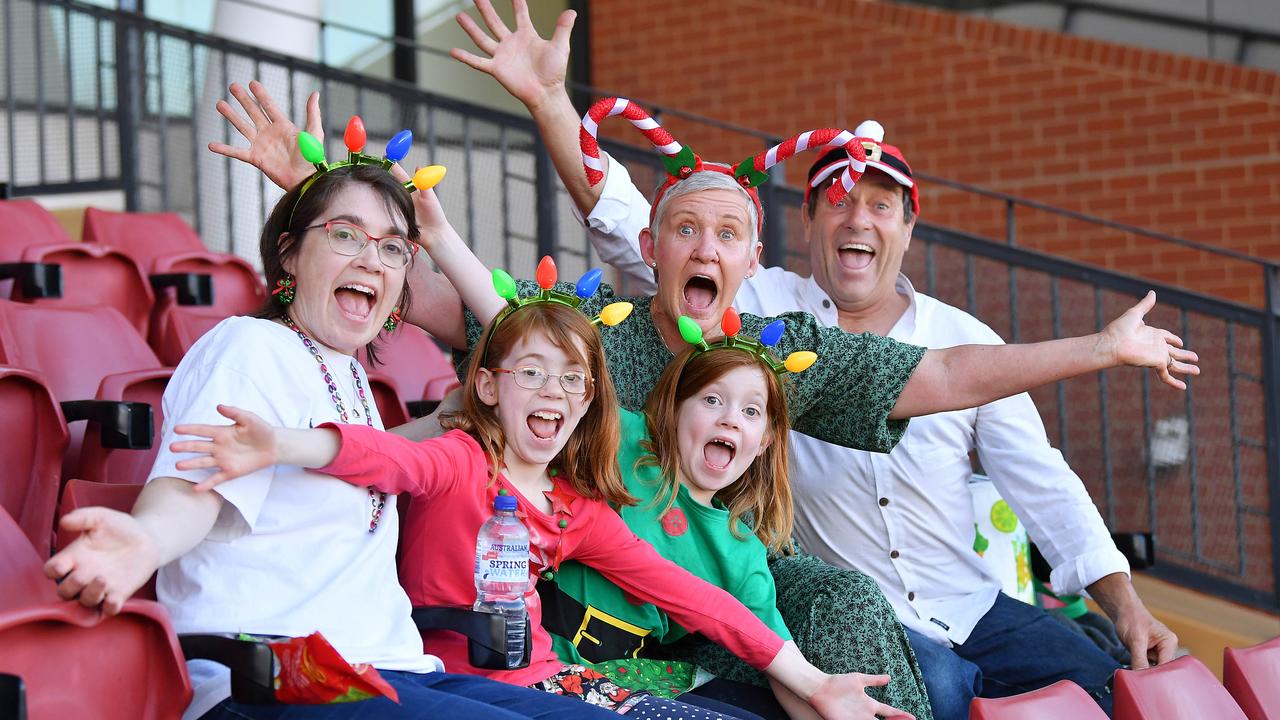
1271,401
546,191
775,227
129,69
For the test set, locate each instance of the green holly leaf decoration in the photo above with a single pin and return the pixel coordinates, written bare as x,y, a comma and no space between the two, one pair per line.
683,159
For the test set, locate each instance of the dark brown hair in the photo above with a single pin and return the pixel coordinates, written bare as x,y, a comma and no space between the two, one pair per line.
292,215
589,459
763,494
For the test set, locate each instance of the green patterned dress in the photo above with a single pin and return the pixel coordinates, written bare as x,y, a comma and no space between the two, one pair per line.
839,618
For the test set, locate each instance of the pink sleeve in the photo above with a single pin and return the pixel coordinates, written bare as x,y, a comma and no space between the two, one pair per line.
393,464
633,565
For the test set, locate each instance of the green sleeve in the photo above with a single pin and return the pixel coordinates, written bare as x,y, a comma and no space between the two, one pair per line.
758,594
846,396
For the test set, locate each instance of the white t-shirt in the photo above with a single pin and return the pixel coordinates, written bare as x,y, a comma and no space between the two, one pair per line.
291,552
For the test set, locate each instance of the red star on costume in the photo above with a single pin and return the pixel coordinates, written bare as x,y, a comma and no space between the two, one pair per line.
561,498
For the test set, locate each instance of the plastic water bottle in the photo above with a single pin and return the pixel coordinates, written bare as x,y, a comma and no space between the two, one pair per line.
502,572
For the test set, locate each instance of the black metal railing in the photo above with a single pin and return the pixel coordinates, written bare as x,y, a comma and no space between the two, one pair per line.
98,99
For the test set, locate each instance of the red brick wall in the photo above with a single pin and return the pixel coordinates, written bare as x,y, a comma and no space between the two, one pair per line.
1166,142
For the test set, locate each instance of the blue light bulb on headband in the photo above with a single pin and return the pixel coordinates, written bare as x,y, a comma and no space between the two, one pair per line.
398,146
588,283
772,333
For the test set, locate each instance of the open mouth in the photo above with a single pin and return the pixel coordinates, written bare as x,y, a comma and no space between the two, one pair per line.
700,292
545,424
718,453
856,256
356,300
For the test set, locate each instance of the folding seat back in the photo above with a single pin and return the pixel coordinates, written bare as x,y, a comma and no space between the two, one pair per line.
1180,690
1063,699
176,327
24,223
418,367
1252,676
390,407
94,275
89,353
75,662
31,454
163,244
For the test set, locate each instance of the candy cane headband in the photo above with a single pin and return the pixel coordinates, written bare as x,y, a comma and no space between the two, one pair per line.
397,149
505,286
731,324
681,162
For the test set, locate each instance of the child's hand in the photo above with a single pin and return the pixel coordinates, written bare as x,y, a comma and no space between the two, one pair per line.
236,450
111,559
844,696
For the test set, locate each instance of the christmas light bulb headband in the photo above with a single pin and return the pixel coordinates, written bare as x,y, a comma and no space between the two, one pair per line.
681,161
546,275
312,150
731,325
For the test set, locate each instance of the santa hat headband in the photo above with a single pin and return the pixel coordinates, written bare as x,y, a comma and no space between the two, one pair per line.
881,156
681,162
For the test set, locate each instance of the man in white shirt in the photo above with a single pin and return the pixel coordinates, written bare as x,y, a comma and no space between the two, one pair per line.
904,518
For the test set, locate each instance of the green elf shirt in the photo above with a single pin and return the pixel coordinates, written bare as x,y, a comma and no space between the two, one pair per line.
593,622
844,398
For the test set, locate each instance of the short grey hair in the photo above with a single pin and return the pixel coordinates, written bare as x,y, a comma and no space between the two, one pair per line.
706,180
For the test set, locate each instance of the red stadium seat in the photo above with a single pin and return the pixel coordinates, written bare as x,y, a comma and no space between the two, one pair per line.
390,407
31,454
75,662
163,243
1252,676
417,366
24,223
1180,690
175,327
91,353
1063,699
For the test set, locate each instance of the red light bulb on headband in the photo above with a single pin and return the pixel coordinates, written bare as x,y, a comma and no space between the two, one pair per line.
354,137
546,275
731,323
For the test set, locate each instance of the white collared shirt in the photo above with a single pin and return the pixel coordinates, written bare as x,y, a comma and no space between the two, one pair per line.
905,518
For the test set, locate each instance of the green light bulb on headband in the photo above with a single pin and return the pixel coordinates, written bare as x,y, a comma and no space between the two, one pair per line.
504,284
311,147
689,330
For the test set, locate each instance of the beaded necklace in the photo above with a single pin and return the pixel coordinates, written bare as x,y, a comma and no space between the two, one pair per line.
377,499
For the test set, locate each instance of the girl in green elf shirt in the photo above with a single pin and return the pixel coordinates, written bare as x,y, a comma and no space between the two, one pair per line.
708,464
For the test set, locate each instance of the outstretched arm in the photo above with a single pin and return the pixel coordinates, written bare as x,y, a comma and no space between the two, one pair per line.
117,552
532,69
971,375
251,444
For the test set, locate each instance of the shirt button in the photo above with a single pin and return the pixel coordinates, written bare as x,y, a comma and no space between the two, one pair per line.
893,555
884,502
911,596
826,304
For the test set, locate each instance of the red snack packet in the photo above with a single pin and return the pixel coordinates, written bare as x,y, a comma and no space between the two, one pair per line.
310,671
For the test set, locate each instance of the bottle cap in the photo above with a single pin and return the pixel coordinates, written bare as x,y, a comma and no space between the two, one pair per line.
505,502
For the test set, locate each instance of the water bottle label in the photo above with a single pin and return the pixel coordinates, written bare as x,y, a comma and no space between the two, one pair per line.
505,562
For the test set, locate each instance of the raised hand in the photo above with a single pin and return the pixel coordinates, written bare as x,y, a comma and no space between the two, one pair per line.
273,138
112,558
529,66
1130,341
845,696
235,450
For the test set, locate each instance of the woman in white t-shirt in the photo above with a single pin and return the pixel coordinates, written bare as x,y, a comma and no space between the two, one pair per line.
286,551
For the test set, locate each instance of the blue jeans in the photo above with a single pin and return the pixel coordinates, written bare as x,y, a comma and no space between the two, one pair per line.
1014,648
428,695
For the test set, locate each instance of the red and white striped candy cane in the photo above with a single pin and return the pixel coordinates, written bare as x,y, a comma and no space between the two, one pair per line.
608,107
822,139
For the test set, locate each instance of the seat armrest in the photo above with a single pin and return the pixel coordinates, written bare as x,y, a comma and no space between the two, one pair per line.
124,425
1138,548
421,408
252,664
13,697
486,634
36,280
193,288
